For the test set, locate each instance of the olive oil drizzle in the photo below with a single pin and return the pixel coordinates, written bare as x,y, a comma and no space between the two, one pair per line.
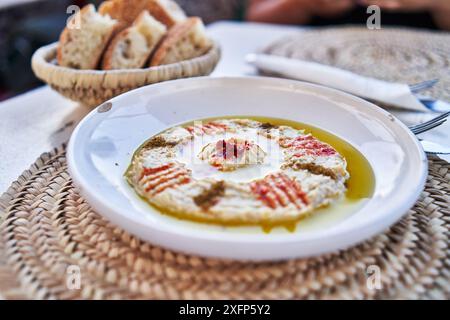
360,185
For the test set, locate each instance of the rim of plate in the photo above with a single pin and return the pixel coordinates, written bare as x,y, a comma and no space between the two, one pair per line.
335,239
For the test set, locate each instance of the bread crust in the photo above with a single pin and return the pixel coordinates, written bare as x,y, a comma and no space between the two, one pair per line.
64,36
140,22
160,13
109,53
175,34
65,39
62,40
127,11
124,11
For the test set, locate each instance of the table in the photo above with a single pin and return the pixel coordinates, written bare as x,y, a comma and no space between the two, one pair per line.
41,119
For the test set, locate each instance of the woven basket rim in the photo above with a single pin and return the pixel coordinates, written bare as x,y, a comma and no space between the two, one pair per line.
44,56
92,87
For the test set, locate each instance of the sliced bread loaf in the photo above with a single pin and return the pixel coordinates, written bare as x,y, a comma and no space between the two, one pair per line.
82,44
132,47
166,11
186,40
126,11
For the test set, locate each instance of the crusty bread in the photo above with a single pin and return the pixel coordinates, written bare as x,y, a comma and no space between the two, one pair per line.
186,40
82,47
126,11
132,47
166,11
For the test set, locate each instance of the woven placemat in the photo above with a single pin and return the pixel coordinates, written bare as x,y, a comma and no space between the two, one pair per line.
48,228
49,232
389,54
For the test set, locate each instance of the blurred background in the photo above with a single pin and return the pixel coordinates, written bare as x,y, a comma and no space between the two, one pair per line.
26,25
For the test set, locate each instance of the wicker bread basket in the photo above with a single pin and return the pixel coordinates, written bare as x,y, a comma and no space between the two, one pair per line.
93,87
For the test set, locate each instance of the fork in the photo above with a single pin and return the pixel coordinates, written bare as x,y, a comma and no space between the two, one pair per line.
433,123
430,124
416,88
428,146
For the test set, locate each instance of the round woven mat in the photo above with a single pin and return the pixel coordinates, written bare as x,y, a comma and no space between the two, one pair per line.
389,54
48,229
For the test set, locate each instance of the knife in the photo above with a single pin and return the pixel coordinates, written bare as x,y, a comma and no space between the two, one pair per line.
433,147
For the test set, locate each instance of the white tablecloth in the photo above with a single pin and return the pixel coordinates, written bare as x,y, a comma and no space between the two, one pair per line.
41,120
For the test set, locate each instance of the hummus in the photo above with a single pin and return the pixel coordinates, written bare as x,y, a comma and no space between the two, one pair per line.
237,171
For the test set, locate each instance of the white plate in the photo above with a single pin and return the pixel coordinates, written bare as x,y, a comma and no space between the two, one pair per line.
102,145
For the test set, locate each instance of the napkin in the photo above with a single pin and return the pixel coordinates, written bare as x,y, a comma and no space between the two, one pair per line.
391,93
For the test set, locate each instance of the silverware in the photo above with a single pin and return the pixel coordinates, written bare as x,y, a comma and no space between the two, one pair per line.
388,93
416,88
429,103
430,124
428,146
434,148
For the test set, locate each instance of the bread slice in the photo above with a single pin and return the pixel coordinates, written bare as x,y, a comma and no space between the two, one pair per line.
82,47
166,11
126,11
186,40
132,47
